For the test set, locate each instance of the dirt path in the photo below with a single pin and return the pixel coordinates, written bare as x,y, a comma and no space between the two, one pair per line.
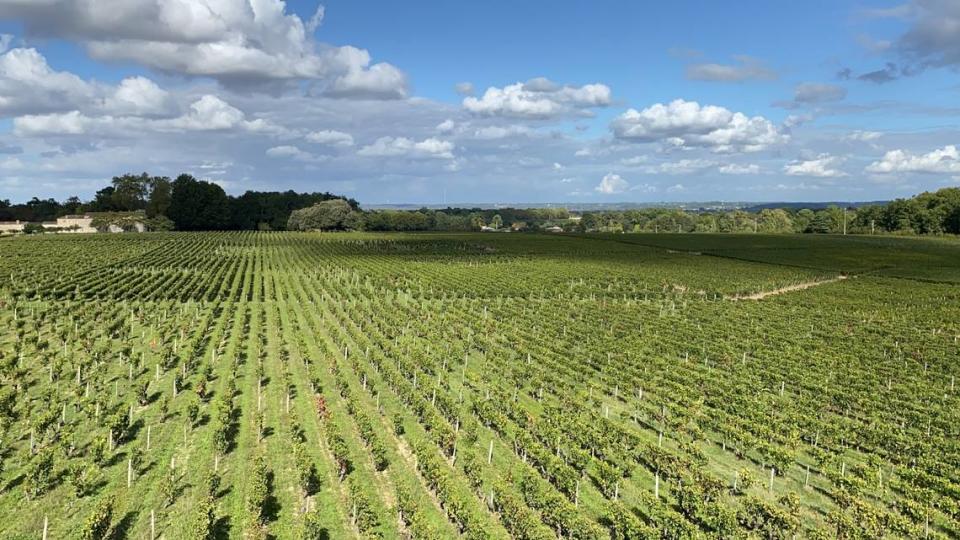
790,288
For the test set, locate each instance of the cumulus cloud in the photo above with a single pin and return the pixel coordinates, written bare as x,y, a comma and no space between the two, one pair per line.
209,113
818,93
330,137
944,160
292,152
29,85
446,126
71,123
237,42
464,88
5,41
687,123
746,68
738,169
138,96
823,166
612,184
404,147
538,98
363,81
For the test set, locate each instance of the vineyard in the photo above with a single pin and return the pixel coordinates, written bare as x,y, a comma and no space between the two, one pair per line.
361,385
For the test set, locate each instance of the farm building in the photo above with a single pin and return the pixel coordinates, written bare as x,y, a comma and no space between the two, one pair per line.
9,227
80,223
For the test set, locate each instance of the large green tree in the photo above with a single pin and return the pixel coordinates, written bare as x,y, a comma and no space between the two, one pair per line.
333,215
197,205
130,192
158,202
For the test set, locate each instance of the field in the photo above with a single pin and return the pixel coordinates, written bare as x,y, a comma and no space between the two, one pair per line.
311,385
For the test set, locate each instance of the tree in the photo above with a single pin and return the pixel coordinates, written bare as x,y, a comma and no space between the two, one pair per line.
333,215
496,222
130,192
822,223
196,205
158,202
73,205
33,228
775,220
103,201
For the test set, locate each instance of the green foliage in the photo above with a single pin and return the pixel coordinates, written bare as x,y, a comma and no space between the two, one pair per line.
33,228
39,474
193,412
332,215
97,524
312,526
257,489
202,519
82,478
197,205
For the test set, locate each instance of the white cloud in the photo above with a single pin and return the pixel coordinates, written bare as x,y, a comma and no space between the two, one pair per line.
501,132
747,68
464,88
237,42
5,41
538,98
863,136
823,166
402,146
686,123
818,93
317,19
292,152
612,184
29,85
209,113
944,160
683,166
330,137
71,123
138,96
379,81
557,166
738,169
796,120
446,126
633,161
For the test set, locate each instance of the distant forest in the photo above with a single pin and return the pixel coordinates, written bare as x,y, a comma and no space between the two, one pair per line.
189,204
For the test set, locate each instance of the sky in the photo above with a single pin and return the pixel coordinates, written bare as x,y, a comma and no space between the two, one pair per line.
497,101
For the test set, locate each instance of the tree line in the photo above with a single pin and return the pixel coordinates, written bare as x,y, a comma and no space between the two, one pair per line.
184,203
928,213
188,204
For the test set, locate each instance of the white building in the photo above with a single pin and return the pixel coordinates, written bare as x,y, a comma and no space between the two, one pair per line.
74,224
10,227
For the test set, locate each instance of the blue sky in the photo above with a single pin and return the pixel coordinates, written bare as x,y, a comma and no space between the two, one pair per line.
492,101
